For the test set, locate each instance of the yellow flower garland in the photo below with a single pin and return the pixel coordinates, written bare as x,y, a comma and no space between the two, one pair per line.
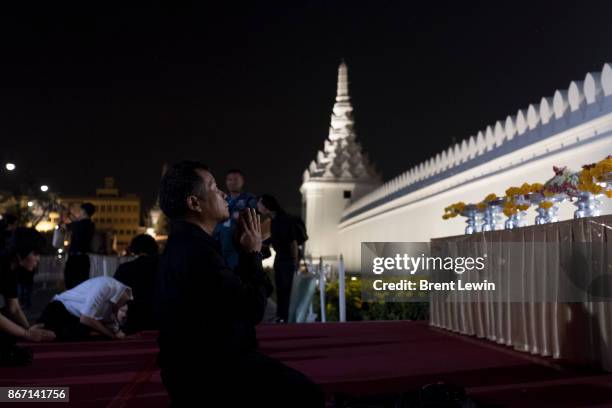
589,178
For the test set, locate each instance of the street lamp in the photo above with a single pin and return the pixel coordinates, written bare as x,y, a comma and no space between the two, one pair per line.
30,204
10,166
44,188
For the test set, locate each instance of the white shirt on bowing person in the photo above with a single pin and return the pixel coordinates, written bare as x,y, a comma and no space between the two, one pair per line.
94,298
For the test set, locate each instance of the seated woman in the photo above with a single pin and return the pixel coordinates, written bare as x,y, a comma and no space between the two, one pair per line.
140,275
20,257
98,305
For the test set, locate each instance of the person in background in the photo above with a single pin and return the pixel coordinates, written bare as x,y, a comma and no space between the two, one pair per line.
81,235
284,240
25,278
140,275
237,201
208,312
25,285
20,256
98,304
8,224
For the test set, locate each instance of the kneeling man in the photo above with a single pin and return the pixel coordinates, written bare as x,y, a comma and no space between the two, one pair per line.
208,312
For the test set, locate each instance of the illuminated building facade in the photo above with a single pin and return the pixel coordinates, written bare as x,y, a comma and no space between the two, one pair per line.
117,215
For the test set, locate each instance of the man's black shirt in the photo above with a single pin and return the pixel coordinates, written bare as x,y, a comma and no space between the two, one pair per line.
9,278
140,275
206,310
81,235
283,234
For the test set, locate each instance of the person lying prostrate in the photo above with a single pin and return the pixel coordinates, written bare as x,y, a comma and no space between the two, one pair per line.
98,304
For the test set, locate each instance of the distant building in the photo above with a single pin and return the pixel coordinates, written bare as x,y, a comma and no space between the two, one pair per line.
117,215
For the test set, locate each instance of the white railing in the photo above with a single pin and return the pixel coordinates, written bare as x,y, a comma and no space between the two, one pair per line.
50,271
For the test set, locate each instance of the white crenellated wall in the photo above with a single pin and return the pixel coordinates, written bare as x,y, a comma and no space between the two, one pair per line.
572,127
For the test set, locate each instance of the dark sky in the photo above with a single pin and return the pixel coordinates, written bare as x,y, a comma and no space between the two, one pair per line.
90,92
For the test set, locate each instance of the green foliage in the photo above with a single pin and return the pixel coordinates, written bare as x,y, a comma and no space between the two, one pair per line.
357,310
43,203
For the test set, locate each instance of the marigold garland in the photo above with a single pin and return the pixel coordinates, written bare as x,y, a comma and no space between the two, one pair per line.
565,182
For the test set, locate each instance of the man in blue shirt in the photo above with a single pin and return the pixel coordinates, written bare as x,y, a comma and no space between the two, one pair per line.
237,201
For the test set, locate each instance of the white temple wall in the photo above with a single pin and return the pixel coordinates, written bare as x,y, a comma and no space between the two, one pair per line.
418,215
324,205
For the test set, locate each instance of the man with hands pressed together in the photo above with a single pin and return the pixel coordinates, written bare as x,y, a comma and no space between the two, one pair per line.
208,313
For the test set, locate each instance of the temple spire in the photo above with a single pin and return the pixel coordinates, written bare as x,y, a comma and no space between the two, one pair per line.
342,157
341,125
342,94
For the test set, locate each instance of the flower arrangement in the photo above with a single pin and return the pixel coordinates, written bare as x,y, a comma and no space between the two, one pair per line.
511,207
593,175
564,181
593,180
517,199
546,204
481,206
524,190
453,210
490,197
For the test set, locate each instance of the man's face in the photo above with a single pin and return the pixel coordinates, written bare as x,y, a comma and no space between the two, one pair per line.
212,201
122,314
234,182
30,261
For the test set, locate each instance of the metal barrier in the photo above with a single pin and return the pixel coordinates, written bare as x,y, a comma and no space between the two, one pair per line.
51,275
326,273
50,272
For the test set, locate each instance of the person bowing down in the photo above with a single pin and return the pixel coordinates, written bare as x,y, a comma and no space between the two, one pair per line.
97,306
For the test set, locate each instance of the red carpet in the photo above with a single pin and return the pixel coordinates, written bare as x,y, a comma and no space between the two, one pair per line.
357,358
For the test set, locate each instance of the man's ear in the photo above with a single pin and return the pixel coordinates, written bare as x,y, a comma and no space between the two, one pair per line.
193,204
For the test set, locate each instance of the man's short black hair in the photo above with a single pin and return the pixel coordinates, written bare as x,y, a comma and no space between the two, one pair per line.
144,244
89,208
23,241
234,171
271,203
179,182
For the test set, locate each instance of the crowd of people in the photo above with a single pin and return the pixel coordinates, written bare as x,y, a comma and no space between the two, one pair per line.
205,293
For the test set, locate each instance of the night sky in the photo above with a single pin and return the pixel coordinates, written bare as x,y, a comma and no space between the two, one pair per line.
93,92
